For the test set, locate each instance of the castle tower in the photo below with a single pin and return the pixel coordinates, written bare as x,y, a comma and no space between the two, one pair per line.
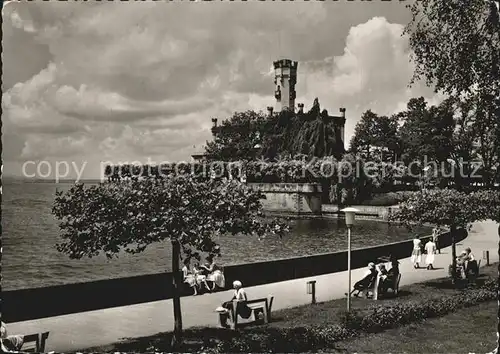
342,125
285,78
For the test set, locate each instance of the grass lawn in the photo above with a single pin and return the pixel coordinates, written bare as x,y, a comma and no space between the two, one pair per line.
471,330
446,334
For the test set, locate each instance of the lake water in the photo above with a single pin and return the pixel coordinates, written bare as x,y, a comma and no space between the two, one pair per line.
30,233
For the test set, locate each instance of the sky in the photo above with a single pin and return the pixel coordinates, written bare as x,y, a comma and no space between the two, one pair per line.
92,82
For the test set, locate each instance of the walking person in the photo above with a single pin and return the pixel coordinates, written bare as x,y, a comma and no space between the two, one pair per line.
430,250
416,255
435,238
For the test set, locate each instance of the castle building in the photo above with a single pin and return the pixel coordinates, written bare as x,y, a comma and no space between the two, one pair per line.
285,79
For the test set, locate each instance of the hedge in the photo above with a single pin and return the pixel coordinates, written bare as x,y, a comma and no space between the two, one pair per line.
379,318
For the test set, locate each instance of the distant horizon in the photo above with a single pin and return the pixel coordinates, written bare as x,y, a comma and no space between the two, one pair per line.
30,179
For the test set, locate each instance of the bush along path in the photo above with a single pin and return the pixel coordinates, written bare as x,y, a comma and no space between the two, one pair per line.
283,336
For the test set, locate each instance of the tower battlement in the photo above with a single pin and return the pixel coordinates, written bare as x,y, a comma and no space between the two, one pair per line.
286,63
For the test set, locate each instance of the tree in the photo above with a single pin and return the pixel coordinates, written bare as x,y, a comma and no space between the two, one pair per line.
456,45
476,138
426,132
128,216
486,129
464,139
352,185
236,137
313,133
374,132
441,207
456,48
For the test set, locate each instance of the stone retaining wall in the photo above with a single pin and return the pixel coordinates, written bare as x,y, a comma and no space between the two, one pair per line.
378,212
294,198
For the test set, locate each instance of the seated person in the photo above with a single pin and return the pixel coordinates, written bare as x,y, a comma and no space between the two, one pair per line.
189,278
199,276
383,284
10,343
470,262
394,271
215,275
367,281
461,261
392,274
242,308
469,254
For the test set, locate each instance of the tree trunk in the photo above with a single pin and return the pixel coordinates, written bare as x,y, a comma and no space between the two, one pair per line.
498,297
453,229
176,298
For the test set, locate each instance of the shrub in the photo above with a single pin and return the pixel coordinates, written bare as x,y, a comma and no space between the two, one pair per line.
388,199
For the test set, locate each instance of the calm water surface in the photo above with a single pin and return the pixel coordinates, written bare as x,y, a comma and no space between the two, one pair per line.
30,233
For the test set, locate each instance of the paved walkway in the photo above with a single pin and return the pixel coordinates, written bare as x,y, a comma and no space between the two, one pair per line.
88,329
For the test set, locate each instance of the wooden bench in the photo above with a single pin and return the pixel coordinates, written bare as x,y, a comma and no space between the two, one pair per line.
34,343
394,286
472,275
261,312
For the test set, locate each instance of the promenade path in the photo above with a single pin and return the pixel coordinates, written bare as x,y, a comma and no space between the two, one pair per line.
83,330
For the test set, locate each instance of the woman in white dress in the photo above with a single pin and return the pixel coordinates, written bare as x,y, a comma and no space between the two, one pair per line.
430,250
189,277
215,275
200,277
416,255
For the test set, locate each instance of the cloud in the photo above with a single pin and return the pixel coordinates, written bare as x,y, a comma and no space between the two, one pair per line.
372,73
36,147
135,81
18,17
95,104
